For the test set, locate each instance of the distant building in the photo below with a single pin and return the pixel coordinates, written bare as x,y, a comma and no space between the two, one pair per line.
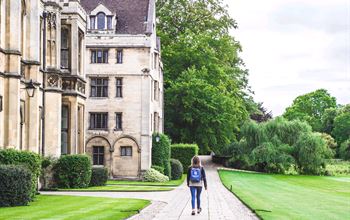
42,50
124,84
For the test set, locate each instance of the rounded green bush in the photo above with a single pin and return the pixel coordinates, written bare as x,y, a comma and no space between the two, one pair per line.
99,176
176,169
152,175
15,185
158,168
28,159
73,171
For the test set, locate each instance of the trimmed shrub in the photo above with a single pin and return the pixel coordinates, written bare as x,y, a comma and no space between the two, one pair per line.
47,174
158,168
184,153
30,160
311,151
99,176
73,171
161,153
152,175
15,185
344,150
176,169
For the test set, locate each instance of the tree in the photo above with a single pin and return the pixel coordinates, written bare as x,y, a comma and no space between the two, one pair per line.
327,120
206,85
200,113
341,130
262,114
311,107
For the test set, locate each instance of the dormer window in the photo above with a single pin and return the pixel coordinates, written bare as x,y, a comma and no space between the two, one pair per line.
101,21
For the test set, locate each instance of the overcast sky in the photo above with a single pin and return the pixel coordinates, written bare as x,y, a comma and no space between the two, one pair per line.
292,47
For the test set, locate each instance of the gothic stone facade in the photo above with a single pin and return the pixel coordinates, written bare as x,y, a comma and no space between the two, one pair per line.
42,42
124,84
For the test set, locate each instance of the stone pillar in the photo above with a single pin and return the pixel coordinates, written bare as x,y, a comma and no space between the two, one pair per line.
53,107
33,119
12,116
13,27
146,134
74,47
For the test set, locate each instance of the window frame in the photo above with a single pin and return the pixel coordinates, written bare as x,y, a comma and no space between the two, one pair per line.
118,121
66,49
124,152
94,58
93,18
119,87
104,115
65,130
99,19
109,23
101,90
99,154
119,56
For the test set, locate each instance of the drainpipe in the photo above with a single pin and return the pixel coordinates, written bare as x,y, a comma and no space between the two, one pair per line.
44,85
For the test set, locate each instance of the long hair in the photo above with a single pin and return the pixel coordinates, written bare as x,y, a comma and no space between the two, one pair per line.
196,162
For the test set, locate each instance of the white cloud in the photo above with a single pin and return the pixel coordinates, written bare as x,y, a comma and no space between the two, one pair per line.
292,47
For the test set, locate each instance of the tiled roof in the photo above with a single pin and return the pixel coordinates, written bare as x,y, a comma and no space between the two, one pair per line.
132,14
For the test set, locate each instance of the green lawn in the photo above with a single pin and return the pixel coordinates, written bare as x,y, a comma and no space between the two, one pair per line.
75,207
291,197
140,183
120,188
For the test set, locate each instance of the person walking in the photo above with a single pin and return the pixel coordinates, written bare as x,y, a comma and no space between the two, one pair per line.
195,179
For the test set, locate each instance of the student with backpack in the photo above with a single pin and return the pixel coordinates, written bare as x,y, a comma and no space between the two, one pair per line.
195,179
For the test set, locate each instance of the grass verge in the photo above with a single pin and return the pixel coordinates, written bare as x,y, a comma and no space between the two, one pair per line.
119,188
291,197
171,183
75,207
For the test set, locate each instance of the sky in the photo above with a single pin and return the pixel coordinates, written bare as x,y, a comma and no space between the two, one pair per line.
293,47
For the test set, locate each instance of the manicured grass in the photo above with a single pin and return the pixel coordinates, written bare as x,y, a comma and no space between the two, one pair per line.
75,207
120,188
291,197
140,183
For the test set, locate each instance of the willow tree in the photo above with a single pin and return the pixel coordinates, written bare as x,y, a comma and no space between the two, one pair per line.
205,80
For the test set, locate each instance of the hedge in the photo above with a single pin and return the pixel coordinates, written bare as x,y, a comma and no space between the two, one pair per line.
15,185
30,160
184,153
73,171
161,153
99,176
176,169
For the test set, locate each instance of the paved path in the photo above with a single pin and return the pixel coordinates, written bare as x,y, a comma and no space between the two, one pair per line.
217,203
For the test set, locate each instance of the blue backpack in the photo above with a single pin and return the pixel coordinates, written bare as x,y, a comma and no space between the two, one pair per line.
196,175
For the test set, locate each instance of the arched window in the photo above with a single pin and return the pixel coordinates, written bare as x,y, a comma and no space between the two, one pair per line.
101,21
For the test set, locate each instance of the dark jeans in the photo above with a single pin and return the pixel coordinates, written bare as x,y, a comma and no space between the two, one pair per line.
195,189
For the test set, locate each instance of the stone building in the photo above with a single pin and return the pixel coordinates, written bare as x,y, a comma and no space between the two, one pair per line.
124,84
42,76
